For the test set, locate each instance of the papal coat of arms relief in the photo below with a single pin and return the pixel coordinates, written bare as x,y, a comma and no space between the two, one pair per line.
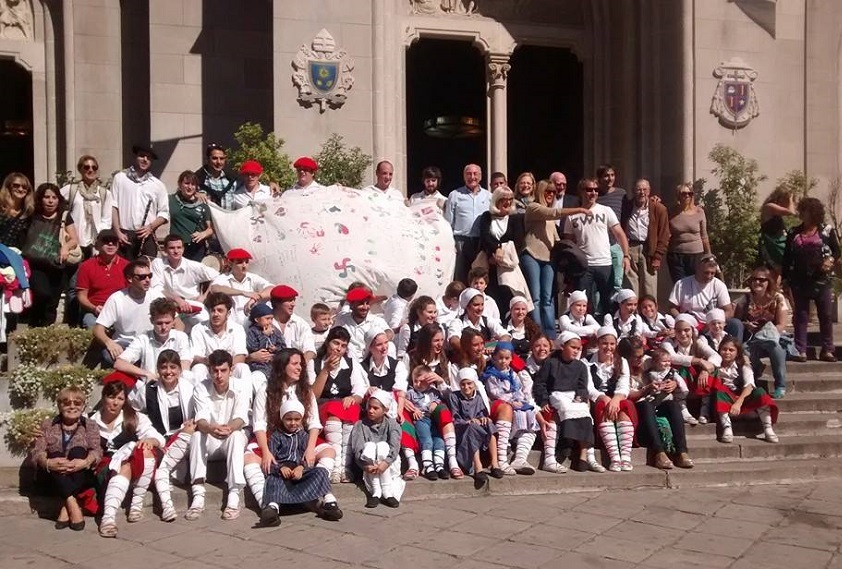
734,101
322,73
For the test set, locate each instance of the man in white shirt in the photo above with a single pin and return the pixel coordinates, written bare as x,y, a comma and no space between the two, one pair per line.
221,414
306,168
249,189
360,320
179,279
297,332
140,205
219,333
126,312
385,172
431,178
140,358
245,288
700,293
591,233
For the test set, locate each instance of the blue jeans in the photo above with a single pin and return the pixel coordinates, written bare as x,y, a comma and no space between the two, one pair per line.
428,434
540,276
777,359
616,266
735,327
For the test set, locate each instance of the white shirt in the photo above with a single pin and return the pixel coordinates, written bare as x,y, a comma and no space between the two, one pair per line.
359,380
251,283
181,395
358,330
128,316
260,420
490,308
145,430
728,376
683,355
633,323
220,408
454,330
395,311
604,373
297,334
130,200
390,192
695,298
401,373
446,315
146,349
241,196
584,327
638,225
100,211
592,233
183,280
232,340
314,185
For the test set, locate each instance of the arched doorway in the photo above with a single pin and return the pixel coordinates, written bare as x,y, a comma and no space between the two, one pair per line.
16,149
445,110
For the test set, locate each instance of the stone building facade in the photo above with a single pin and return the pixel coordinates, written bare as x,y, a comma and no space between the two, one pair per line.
647,85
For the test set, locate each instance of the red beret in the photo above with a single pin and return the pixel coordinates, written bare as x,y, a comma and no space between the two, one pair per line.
283,292
251,167
305,163
238,255
118,376
359,295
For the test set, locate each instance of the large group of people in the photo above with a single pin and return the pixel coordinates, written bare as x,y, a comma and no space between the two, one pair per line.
551,334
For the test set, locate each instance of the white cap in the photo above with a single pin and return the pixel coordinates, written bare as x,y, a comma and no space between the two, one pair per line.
290,405
467,296
577,296
624,294
715,315
565,337
687,319
606,331
468,373
517,299
384,397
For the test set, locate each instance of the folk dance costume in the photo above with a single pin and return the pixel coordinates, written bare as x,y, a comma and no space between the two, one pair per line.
656,330
504,386
630,327
372,443
617,436
519,341
656,406
470,437
549,462
118,447
168,411
428,431
218,409
346,380
733,379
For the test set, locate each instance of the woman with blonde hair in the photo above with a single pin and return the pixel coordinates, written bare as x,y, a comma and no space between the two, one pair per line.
524,191
688,235
17,203
498,226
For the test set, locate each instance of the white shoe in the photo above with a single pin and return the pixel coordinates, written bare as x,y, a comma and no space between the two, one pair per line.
727,435
626,466
703,420
135,515
554,467
523,467
508,470
335,477
595,467
168,513
770,436
614,467
688,418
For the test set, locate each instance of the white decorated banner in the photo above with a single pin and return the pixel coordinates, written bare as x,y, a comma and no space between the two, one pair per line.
320,241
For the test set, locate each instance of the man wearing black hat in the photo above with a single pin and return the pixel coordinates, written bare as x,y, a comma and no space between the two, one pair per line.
99,277
140,206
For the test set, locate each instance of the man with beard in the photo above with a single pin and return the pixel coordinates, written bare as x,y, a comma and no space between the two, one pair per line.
360,320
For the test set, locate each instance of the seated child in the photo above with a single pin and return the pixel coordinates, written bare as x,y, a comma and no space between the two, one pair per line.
502,384
447,305
478,279
577,319
626,320
475,430
322,319
263,339
422,399
714,331
395,307
375,445
656,326
736,393
290,480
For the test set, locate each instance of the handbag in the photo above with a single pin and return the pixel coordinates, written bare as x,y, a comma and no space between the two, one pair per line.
74,256
768,332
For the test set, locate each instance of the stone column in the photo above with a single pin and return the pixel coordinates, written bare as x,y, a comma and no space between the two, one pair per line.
498,72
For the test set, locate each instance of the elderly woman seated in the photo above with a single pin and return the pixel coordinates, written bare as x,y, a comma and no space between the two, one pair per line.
66,448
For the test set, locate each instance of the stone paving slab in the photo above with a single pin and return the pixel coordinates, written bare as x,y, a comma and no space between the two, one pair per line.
778,526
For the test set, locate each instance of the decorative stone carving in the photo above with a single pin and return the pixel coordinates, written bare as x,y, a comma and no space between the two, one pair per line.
734,101
498,72
16,20
322,73
427,7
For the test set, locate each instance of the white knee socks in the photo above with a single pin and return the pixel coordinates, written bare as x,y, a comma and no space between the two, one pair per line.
198,501
142,485
450,447
608,434
524,445
327,462
625,434
347,456
333,436
114,495
175,454
550,442
411,462
255,481
504,431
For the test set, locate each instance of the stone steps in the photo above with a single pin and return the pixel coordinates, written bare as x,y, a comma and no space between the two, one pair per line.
789,424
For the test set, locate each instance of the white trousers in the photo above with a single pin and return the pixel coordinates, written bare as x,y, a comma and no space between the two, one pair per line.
204,447
386,484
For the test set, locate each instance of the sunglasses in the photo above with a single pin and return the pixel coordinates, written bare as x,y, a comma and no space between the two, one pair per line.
590,190
18,185
90,167
760,279
142,277
110,241
685,194
72,402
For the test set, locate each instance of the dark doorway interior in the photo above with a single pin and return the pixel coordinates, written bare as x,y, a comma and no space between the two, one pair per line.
444,78
134,55
16,152
545,113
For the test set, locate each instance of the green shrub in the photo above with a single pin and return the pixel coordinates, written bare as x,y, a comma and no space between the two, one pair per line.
22,429
266,149
60,377
25,385
52,344
339,164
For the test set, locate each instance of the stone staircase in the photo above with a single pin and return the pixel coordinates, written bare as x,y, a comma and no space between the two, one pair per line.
810,448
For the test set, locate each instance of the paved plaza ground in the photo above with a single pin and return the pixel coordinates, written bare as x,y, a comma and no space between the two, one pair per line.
768,527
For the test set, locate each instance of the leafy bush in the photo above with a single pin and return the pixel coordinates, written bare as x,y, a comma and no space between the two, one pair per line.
266,149
733,214
25,385
58,378
797,183
339,164
22,429
52,344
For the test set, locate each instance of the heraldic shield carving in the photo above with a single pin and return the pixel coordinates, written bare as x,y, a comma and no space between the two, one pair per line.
734,101
322,73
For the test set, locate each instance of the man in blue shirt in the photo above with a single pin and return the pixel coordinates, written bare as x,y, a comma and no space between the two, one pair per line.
462,210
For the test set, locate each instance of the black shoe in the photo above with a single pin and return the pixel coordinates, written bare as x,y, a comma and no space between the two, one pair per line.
497,473
269,517
330,511
480,480
77,526
580,466
62,524
371,502
391,502
431,475
443,474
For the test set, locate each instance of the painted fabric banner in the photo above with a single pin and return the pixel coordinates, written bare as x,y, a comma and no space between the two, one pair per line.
320,241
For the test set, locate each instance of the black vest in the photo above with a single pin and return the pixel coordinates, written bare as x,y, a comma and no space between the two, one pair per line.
483,329
337,387
598,382
153,410
384,382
